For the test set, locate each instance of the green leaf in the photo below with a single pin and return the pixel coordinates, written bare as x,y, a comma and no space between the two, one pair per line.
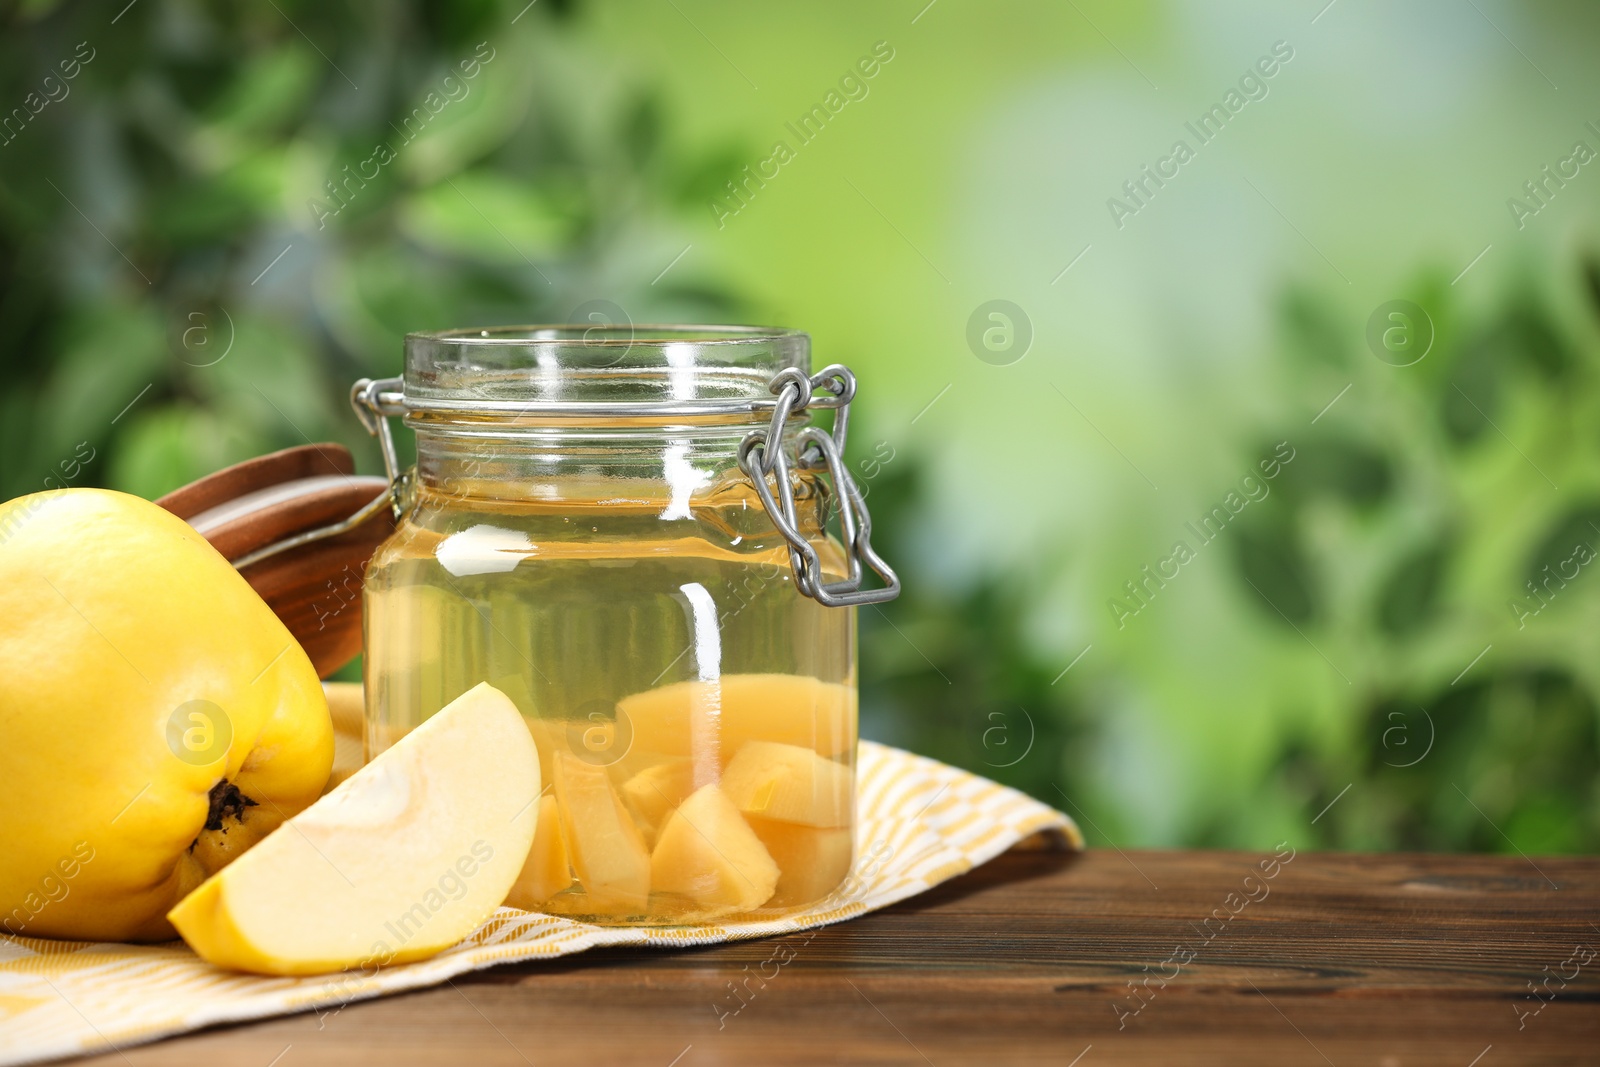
1338,465
396,293
488,218
267,384
1313,328
1275,570
1528,333
455,24
1591,279
705,177
164,448
643,130
451,121
1410,595
215,208
1559,555
269,90
1470,399
111,358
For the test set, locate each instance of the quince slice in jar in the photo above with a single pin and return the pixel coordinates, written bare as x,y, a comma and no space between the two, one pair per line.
793,709
607,851
547,870
708,853
790,783
812,861
654,792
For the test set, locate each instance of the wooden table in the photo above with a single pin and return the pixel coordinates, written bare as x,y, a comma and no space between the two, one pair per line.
1144,957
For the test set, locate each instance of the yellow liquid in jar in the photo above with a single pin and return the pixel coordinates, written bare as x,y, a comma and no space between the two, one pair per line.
695,715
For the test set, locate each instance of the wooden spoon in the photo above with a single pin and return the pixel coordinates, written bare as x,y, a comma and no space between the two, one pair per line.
315,588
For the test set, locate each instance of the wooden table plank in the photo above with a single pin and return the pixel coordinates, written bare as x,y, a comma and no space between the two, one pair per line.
1394,960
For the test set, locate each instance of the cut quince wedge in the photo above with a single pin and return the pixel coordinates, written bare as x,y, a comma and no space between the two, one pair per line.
548,869
812,861
655,791
607,850
790,783
398,862
708,853
792,708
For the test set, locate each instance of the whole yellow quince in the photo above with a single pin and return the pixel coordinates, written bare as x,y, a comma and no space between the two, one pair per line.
156,719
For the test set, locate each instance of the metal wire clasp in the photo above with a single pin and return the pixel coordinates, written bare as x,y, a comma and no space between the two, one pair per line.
374,402
761,455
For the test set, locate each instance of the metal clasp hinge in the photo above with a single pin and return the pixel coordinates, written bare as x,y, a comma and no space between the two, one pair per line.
374,402
761,454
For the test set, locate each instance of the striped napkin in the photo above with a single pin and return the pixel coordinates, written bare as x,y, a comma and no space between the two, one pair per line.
920,822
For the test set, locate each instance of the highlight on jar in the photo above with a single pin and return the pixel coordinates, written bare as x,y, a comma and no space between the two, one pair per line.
641,540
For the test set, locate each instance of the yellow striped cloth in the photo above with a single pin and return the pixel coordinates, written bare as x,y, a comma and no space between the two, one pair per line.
920,822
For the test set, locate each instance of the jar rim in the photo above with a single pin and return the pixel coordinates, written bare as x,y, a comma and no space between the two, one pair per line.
621,370
606,335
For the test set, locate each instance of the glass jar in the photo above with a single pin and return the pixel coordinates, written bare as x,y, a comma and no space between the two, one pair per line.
625,531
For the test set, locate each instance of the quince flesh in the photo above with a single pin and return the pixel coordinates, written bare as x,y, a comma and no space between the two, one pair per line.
607,849
811,861
789,783
548,868
736,708
708,853
401,860
655,791
156,718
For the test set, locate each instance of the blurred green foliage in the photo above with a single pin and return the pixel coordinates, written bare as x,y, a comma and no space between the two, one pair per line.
1394,536
1375,549
165,222
233,211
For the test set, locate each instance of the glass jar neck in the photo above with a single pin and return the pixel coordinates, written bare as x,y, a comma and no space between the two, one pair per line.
609,462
